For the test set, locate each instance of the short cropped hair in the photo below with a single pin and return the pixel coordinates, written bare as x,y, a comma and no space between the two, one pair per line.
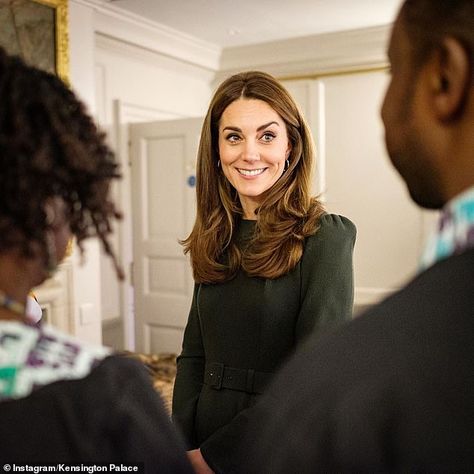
428,21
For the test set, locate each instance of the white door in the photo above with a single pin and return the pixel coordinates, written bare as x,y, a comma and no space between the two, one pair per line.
163,156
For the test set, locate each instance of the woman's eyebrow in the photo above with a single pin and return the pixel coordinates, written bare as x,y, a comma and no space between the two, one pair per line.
237,129
267,125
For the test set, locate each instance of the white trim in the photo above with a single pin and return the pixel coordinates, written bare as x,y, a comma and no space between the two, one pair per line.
138,113
115,22
122,48
123,115
112,333
100,75
55,295
311,55
318,119
303,56
112,323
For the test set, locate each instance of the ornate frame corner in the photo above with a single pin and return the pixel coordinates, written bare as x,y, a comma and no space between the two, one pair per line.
61,36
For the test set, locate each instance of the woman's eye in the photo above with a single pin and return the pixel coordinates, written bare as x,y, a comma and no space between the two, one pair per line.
268,136
232,138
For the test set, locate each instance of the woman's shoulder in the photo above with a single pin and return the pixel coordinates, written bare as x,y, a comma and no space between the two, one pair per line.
331,244
332,231
335,225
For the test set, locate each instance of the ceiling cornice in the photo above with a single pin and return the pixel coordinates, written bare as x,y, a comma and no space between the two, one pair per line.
295,57
311,55
115,22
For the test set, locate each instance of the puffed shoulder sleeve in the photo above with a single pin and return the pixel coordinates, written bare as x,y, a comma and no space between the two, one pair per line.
189,375
327,276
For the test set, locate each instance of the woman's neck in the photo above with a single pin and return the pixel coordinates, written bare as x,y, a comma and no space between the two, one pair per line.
6,315
249,206
14,287
12,309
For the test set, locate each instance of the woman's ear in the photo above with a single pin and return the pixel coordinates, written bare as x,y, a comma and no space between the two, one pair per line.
449,78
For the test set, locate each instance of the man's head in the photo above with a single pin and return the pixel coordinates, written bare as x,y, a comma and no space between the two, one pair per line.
428,111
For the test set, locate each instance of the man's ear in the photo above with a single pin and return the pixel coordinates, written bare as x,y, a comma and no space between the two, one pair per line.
450,79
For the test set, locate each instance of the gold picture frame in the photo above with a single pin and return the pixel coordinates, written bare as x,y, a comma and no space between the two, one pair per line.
62,57
61,36
37,30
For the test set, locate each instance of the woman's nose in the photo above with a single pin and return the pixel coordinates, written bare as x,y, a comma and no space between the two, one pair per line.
250,151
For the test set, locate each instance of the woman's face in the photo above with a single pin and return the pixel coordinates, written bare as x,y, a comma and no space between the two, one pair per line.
253,148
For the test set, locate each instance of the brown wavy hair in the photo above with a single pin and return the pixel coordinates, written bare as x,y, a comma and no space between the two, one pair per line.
50,147
287,214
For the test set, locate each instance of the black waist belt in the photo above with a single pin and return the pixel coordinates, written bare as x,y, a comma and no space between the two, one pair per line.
245,380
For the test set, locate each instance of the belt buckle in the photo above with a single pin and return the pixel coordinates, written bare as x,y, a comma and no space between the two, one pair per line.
216,375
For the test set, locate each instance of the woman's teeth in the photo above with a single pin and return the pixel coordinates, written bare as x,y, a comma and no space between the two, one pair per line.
251,172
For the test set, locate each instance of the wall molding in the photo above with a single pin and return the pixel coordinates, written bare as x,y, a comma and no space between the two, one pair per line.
122,48
55,296
112,333
115,22
311,56
303,57
138,113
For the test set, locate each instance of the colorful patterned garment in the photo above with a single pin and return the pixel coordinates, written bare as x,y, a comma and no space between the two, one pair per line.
455,232
31,357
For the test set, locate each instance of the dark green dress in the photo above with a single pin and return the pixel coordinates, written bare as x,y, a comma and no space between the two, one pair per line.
253,324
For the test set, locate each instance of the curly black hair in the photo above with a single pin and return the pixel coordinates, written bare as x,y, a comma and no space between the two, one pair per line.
50,146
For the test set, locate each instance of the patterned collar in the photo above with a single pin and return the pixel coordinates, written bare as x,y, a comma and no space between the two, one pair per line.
31,357
455,232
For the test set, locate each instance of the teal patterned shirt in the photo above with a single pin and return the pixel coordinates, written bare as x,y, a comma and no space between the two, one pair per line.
31,357
455,231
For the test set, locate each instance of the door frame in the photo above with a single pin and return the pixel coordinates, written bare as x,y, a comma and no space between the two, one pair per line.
123,115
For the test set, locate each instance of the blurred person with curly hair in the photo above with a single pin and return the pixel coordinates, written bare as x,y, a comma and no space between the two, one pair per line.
66,401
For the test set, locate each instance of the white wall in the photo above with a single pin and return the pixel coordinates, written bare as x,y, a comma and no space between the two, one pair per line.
129,70
85,284
126,70
354,178
361,183
138,80
339,80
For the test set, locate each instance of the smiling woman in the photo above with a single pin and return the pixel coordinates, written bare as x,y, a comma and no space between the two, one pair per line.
271,267
252,154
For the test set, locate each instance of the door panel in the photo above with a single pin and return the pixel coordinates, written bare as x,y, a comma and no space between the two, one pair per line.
163,158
